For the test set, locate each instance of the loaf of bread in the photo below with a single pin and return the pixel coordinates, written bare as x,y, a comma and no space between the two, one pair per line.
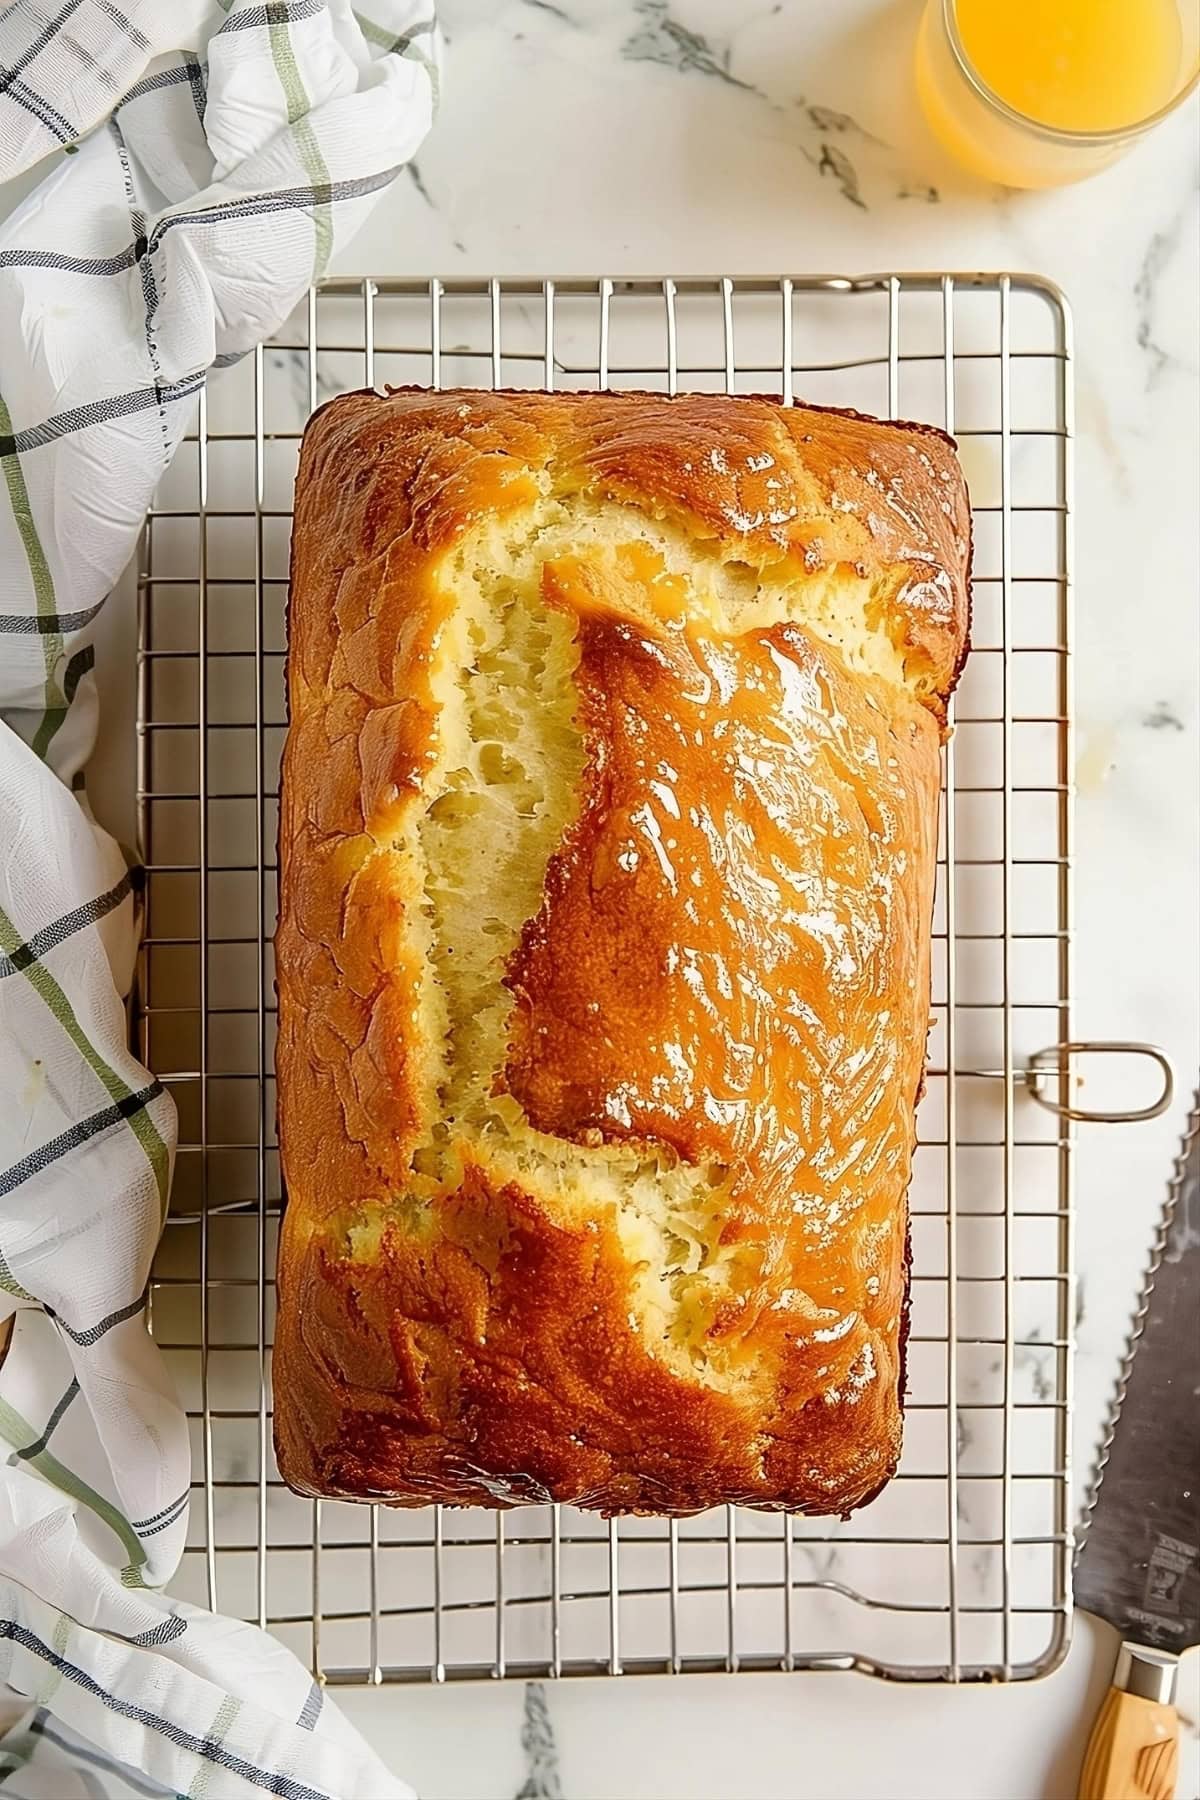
607,843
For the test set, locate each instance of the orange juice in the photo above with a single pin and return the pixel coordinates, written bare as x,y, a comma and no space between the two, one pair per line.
1097,67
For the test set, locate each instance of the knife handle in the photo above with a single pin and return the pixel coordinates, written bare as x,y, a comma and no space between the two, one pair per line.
1133,1752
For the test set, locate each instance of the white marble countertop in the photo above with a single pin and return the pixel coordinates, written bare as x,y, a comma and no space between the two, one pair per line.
701,137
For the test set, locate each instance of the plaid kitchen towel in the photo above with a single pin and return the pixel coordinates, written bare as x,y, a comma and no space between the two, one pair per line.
206,161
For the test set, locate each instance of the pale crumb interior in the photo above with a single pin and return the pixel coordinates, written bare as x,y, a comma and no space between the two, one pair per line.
510,761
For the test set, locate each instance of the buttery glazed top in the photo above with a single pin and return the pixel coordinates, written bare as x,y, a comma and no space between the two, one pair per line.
730,961
732,957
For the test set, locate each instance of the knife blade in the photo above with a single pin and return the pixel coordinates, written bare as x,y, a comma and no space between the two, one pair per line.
1139,1561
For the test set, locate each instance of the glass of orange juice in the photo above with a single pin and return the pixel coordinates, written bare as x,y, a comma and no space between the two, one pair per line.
1032,93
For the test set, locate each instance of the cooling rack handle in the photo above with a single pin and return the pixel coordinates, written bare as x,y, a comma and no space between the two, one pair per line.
1045,1065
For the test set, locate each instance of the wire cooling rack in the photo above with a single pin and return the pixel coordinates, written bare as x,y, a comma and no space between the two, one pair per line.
960,1570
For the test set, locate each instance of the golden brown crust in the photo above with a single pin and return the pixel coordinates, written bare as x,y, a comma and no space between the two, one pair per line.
560,1403
490,1356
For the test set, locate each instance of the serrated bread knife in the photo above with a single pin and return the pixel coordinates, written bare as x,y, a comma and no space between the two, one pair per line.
1139,1565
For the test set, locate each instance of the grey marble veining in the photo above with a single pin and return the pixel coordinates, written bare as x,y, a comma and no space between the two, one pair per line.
412,170
1162,718
1162,247
862,167
556,12
659,37
540,1748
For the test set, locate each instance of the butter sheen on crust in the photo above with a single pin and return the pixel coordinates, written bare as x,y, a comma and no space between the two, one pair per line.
608,828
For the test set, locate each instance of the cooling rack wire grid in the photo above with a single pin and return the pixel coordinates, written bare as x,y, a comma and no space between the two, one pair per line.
960,1570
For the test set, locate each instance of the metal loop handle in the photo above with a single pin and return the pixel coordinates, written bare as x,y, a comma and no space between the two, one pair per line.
1045,1063
1049,1062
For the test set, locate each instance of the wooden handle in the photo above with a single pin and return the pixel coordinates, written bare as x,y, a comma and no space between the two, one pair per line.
1133,1753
